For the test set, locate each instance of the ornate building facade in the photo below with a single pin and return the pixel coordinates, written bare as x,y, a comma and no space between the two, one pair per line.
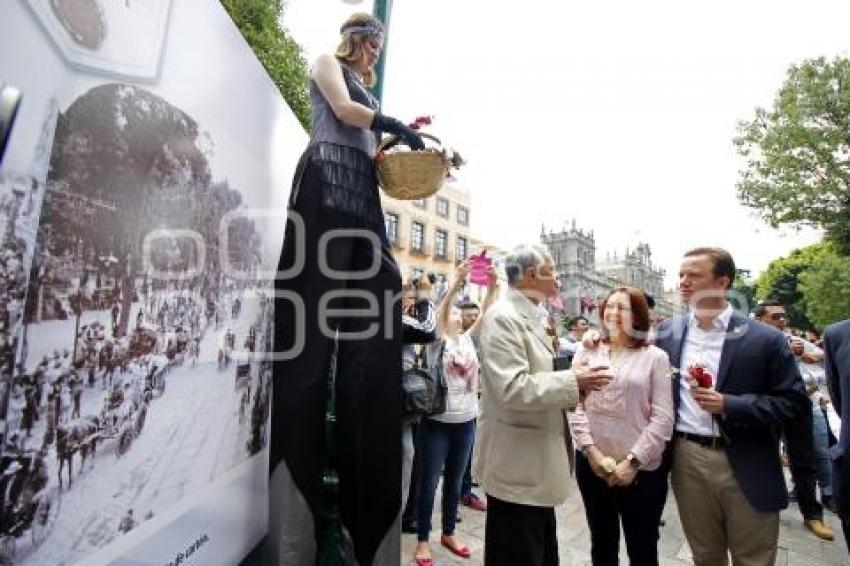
585,283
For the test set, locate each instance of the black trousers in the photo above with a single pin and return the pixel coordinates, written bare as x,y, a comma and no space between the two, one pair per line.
800,443
335,189
639,506
519,535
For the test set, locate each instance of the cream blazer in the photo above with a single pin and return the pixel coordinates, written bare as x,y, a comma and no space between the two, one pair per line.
523,451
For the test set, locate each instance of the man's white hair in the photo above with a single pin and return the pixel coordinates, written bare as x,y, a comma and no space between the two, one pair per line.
521,258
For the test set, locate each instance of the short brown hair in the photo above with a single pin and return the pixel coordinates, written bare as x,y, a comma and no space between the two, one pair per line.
724,265
639,337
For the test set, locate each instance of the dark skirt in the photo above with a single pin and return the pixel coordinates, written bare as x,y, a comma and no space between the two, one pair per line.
335,189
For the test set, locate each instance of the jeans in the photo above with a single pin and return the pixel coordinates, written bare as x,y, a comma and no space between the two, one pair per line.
441,445
823,464
407,452
466,484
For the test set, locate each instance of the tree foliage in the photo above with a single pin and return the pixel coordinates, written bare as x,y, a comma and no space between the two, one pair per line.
797,154
283,59
781,281
744,292
825,286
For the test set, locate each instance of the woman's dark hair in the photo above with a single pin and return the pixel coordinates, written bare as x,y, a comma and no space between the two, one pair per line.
639,332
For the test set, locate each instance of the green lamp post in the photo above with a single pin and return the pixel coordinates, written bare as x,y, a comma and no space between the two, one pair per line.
382,10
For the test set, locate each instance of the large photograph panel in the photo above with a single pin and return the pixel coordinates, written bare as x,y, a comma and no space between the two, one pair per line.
138,230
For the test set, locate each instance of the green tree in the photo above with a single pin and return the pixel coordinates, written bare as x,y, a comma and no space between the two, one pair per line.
781,281
283,59
797,155
745,291
825,285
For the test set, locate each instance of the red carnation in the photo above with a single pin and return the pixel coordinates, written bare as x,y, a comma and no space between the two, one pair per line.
702,377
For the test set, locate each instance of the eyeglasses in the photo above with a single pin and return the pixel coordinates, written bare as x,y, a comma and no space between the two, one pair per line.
778,316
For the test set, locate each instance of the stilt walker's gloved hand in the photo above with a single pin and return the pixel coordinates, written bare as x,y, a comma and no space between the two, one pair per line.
409,137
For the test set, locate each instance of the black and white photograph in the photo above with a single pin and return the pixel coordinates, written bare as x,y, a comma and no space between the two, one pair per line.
135,291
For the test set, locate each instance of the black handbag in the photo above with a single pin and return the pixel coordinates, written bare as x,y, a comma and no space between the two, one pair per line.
425,388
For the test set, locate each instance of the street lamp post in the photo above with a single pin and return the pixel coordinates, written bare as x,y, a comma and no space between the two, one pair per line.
382,10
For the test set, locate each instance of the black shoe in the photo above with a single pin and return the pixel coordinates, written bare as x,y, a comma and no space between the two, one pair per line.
409,527
829,504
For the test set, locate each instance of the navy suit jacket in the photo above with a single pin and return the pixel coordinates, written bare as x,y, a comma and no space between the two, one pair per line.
836,347
762,391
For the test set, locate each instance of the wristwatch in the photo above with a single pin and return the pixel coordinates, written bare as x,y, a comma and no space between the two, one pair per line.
633,461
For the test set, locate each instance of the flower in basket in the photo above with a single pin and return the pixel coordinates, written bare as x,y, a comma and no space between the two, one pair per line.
419,122
451,156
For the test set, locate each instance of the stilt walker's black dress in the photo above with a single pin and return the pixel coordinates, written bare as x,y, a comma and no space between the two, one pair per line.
335,189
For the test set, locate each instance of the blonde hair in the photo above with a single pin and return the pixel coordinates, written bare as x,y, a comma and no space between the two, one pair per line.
350,48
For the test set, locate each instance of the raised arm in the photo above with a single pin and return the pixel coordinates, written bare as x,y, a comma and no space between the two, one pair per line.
422,328
448,301
489,299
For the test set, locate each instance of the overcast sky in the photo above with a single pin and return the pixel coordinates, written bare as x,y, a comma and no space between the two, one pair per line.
619,114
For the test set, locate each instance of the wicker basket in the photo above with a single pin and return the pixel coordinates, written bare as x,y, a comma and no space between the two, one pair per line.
410,175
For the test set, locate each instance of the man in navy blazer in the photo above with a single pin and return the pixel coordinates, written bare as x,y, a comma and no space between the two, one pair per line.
725,469
836,346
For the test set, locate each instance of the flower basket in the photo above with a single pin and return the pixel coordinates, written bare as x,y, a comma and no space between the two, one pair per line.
411,175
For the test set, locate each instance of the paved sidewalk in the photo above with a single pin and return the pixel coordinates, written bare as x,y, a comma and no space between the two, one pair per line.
797,547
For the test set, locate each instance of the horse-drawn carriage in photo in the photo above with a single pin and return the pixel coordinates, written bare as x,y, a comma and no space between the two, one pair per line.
143,341
242,379
154,371
27,505
123,417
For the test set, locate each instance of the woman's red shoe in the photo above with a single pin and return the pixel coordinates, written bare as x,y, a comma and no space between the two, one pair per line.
462,550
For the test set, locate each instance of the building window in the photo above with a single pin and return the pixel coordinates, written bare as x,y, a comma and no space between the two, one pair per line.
421,203
461,249
443,207
462,215
416,272
417,237
441,244
391,222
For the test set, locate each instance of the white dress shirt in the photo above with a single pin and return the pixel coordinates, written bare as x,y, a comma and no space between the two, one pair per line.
702,347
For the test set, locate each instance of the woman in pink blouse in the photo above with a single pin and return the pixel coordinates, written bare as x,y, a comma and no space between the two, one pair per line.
621,432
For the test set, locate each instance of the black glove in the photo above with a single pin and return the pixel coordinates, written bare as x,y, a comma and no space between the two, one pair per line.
381,123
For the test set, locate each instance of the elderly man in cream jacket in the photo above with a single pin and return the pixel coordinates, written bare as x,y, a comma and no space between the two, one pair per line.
523,449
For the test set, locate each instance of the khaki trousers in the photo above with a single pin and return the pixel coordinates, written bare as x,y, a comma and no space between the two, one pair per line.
714,512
